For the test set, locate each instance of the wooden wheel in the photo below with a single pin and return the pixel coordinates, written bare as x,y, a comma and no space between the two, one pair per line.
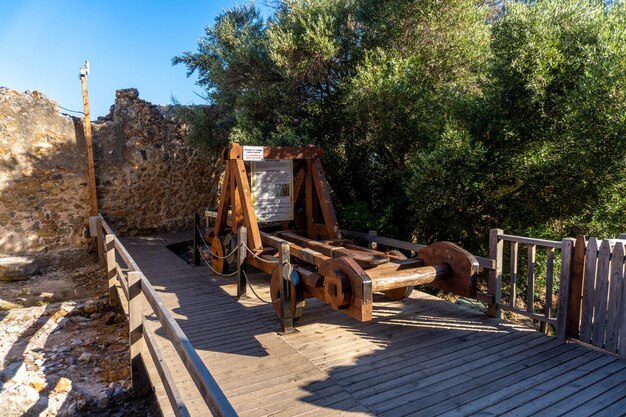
402,292
218,263
297,305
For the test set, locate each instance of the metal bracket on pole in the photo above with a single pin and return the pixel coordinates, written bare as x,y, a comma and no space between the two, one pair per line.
241,258
286,314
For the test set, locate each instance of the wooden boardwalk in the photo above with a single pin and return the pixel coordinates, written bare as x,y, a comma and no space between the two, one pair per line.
419,357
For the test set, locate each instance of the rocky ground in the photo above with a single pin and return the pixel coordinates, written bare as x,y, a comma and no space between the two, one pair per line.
63,350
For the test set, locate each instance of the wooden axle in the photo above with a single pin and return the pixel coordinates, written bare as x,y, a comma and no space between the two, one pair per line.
390,280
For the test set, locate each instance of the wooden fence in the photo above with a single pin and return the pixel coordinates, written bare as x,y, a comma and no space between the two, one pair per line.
129,287
587,304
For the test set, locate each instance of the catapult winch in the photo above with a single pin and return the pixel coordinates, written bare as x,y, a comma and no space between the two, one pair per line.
310,257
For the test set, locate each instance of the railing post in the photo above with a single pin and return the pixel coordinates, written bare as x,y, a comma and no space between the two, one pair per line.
286,315
139,377
372,245
111,271
100,242
565,280
196,239
572,322
496,248
241,258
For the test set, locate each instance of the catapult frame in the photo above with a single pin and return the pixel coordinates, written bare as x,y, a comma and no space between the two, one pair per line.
309,257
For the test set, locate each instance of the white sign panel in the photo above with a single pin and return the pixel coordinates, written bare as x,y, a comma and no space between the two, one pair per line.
253,153
272,190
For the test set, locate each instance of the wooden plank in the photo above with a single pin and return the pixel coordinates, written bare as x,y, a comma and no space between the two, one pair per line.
589,282
435,389
522,391
567,253
496,247
513,276
530,241
600,298
326,202
123,253
254,239
169,384
599,396
572,325
224,200
552,394
549,281
139,377
530,285
615,308
208,387
111,268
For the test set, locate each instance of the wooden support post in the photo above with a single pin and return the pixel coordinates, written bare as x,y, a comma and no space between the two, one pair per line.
111,272
496,248
196,239
100,242
567,255
241,258
138,374
87,123
572,323
372,245
286,319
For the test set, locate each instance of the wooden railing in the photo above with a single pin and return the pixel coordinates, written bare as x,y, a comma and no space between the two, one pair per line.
523,296
129,287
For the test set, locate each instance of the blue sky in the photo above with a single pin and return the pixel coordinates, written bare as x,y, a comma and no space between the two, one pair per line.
43,43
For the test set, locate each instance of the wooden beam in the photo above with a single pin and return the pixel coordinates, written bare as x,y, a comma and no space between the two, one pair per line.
496,248
224,203
235,151
139,377
169,383
249,217
326,202
572,324
567,254
91,173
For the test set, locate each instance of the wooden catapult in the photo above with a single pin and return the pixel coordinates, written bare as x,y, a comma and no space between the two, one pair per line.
310,257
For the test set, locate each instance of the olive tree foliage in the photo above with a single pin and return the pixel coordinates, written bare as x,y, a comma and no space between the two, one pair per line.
440,119
557,116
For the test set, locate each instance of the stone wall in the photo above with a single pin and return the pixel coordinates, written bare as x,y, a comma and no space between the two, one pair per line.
44,197
149,179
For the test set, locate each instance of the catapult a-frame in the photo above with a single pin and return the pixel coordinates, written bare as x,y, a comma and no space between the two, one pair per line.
310,257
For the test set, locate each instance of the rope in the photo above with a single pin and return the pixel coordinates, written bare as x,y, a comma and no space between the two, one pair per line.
260,259
211,268
254,292
209,248
72,111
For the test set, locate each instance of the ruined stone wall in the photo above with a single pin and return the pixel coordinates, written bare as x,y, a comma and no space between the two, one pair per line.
44,197
148,179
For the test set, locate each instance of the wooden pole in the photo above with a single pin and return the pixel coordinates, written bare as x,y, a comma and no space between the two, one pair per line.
241,258
496,248
567,259
138,375
87,123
